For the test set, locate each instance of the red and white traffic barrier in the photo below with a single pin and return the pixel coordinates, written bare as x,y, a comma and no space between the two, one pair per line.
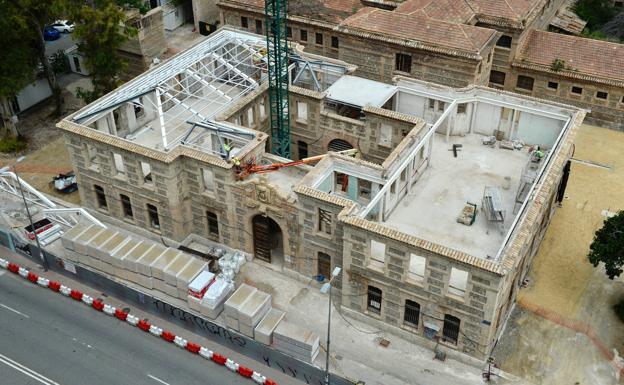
144,325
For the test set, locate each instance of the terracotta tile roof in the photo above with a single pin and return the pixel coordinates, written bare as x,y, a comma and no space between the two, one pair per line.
327,10
588,59
448,10
419,29
514,10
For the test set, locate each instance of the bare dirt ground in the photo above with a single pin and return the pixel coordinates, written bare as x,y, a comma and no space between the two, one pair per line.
547,340
46,154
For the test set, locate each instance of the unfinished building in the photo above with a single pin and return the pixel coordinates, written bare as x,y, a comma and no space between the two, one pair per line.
504,45
434,223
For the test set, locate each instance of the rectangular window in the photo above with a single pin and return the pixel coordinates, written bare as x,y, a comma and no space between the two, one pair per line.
244,22
342,181
302,149
126,206
374,299
461,108
208,180
432,104
385,135
497,77
152,213
450,330
365,187
416,270
259,27
119,164
441,106
458,282
302,112
404,175
377,253
577,90
92,157
289,32
334,42
303,35
319,38
213,223
262,109
504,41
324,221
146,170
525,83
553,85
412,313
403,62
393,187
602,95
100,196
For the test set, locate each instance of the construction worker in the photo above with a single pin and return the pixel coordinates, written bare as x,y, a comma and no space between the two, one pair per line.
226,147
236,162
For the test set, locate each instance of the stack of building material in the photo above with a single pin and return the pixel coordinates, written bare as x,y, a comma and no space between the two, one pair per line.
117,256
188,274
81,242
252,312
234,303
300,343
264,331
168,265
70,236
129,261
92,251
105,250
143,265
212,302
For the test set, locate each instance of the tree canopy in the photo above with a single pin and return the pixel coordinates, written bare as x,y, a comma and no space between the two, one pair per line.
608,246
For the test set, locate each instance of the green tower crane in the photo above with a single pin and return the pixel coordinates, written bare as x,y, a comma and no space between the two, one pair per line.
276,12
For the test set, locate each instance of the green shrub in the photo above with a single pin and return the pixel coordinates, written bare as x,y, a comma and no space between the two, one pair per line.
619,310
11,144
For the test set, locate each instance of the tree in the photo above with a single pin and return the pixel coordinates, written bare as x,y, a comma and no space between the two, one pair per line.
101,31
18,66
595,12
608,246
36,14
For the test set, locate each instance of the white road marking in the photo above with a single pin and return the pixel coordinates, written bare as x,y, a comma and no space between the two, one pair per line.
27,371
14,311
157,379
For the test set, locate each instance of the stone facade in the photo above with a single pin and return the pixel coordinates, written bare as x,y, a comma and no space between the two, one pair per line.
149,43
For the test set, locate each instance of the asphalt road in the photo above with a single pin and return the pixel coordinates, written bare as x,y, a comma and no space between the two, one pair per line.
46,338
65,41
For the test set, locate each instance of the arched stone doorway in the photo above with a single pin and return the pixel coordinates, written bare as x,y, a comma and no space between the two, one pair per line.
268,240
339,145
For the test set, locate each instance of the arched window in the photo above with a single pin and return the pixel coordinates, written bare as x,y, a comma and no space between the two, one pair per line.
339,145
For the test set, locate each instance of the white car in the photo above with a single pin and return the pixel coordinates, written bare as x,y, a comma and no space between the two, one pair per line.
63,26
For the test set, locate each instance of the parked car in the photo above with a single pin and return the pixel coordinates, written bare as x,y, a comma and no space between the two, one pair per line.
50,33
63,26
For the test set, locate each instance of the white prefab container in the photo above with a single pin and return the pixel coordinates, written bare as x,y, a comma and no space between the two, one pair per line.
237,300
264,331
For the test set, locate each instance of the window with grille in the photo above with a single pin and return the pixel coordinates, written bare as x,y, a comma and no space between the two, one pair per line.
324,221
412,313
244,22
126,206
497,77
602,95
403,62
374,299
577,90
100,196
334,42
213,223
504,41
441,106
152,213
319,38
338,145
525,82
450,330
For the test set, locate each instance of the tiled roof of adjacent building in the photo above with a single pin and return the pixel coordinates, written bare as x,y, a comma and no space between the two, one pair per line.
420,31
448,10
512,13
587,59
324,10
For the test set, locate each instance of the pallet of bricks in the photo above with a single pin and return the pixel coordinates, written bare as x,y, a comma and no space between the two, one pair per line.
145,263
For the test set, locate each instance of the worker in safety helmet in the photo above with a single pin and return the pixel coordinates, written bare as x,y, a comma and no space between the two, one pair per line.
226,147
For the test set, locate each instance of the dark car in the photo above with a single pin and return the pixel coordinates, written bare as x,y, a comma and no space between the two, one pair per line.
49,33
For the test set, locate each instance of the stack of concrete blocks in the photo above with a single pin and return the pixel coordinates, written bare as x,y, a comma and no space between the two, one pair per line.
212,303
245,309
148,264
264,331
297,342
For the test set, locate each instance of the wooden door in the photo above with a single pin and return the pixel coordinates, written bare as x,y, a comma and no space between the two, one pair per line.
324,265
261,238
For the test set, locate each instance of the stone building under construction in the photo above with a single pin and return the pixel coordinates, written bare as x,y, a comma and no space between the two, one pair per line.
435,222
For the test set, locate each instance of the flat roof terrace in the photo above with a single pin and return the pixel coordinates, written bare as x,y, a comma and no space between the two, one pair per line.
431,209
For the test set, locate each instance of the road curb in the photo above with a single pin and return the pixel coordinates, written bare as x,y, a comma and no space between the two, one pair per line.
144,325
